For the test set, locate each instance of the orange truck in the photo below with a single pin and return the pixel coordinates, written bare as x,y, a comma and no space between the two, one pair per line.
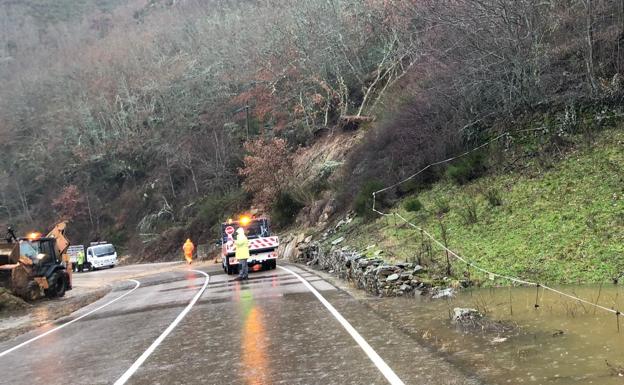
262,244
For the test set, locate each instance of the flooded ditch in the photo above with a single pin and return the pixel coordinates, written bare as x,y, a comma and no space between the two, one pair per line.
561,341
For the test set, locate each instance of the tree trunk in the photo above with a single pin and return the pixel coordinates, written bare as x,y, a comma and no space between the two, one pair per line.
89,211
620,37
170,177
194,179
24,201
589,30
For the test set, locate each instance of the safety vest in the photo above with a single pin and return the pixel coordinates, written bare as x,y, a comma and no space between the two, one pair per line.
242,247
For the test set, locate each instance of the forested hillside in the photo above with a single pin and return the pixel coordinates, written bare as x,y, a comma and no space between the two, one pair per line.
146,121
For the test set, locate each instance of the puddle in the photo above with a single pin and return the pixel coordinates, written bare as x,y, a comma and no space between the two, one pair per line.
561,342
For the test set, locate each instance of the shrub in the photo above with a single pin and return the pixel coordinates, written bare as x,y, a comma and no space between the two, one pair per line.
466,169
409,187
442,205
493,196
328,168
285,209
267,169
413,205
363,203
213,209
468,211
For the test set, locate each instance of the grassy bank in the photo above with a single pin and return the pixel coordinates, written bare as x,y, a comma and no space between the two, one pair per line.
560,223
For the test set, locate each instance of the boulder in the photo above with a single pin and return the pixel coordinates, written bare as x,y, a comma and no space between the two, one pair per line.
288,251
444,293
392,278
464,315
405,287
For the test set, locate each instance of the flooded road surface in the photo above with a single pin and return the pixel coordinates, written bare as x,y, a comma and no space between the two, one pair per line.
269,330
561,342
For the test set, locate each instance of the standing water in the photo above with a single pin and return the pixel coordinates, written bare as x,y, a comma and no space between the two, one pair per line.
561,341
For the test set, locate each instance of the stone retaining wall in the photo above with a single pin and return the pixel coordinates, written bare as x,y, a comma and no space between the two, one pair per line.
375,276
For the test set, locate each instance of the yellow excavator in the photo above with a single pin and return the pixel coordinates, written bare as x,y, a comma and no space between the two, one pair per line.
33,265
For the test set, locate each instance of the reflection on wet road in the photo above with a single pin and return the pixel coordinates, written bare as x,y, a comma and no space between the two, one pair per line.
254,342
268,330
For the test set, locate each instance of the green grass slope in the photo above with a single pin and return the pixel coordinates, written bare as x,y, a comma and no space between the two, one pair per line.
562,225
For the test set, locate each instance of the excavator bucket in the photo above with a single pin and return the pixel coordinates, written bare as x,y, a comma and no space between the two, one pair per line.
9,254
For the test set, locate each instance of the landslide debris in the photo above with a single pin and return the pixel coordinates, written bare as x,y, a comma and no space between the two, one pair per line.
10,303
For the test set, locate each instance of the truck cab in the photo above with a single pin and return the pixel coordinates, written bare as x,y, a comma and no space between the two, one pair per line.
100,255
262,244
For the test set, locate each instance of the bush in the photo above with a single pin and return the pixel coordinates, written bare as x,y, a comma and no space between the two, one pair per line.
363,203
409,187
413,205
328,168
466,169
468,211
285,209
442,205
213,209
493,196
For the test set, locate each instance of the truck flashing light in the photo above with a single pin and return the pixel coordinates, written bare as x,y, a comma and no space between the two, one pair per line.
33,236
244,221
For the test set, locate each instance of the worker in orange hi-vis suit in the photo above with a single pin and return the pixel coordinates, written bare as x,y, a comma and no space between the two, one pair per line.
188,248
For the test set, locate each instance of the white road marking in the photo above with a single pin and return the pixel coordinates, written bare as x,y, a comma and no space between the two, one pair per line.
370,352
137,364
4,353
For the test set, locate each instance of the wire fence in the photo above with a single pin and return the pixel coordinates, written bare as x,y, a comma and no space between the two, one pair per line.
465,260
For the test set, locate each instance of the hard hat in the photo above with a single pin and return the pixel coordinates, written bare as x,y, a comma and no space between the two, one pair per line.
188,240
240,230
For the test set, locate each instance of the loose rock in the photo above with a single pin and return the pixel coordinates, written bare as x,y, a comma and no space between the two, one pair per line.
463,315
392,278
444,293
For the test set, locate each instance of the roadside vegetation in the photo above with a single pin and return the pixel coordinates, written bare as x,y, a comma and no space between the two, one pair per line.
558,222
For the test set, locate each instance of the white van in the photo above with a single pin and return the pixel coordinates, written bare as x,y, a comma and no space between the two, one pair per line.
101,255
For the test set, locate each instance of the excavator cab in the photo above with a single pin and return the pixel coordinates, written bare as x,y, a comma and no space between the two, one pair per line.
41,252
30,264
40,267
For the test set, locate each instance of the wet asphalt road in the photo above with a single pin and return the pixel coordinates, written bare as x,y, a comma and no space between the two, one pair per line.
268,330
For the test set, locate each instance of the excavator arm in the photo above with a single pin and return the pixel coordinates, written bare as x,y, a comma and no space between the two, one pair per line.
62,243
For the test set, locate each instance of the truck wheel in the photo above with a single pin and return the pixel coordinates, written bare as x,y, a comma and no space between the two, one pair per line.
57,285
231,270
272,263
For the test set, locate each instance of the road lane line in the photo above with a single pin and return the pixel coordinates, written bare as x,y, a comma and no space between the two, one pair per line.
137,364
370,352
4,353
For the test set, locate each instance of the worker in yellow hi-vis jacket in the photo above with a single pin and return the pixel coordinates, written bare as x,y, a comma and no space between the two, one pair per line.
242,253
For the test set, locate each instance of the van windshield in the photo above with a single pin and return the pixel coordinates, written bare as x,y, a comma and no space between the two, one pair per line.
102,251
